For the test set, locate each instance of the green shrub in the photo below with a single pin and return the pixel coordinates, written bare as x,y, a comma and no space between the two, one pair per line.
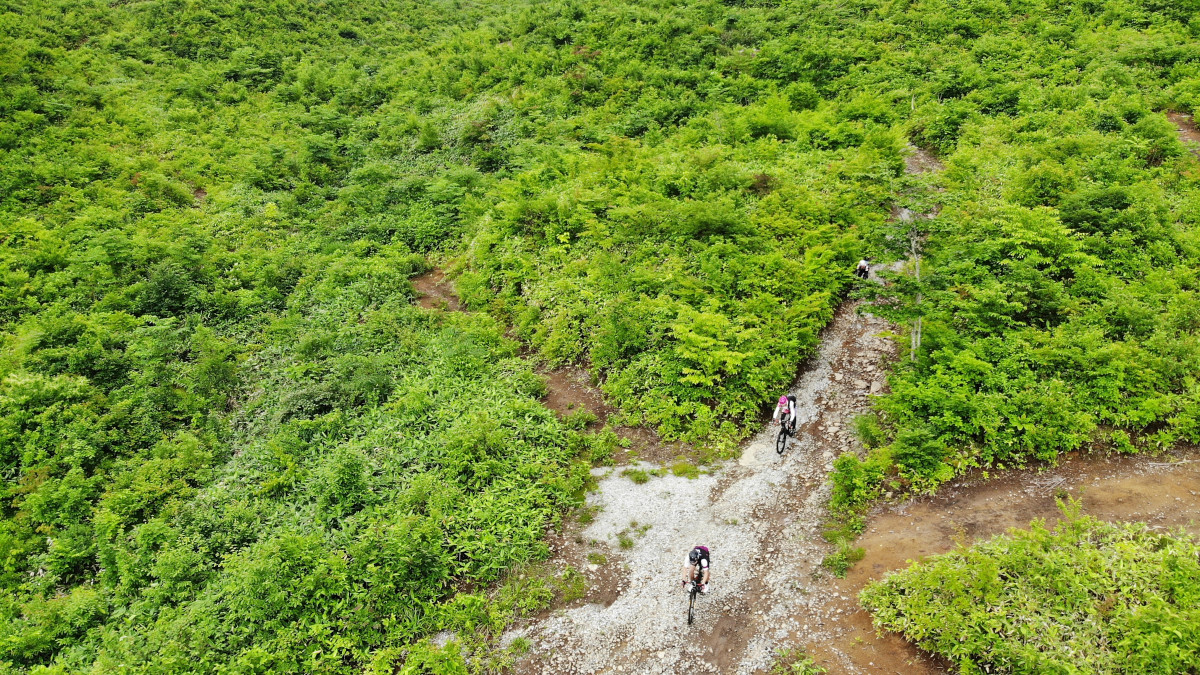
580,419
636,475
855,482
869,431
1085,596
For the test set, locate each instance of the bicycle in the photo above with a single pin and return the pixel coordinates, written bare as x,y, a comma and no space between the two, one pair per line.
693,591
785,432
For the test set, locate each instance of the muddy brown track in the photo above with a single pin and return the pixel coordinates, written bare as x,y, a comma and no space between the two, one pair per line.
435,292
569,389
1163,491
1188,133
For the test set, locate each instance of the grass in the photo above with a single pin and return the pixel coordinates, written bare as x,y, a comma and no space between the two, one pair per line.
636,475
625,538
685,469
795,662
571,585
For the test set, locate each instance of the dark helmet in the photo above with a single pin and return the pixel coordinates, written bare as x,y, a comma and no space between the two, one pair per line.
694,556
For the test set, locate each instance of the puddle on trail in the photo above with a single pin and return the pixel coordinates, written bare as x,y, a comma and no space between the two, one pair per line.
1162,491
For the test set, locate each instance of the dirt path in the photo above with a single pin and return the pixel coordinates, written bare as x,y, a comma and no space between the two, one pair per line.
569,390
435,292
1188,133
1163,491
760,515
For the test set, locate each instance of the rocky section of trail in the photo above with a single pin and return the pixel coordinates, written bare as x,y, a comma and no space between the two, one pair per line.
761,516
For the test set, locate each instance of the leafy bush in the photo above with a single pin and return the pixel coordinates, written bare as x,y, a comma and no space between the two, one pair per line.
1085,596
230,442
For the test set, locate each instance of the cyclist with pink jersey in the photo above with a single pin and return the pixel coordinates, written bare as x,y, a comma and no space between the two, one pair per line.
786,411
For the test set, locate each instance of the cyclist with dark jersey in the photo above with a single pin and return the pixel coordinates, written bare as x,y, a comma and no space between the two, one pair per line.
698,567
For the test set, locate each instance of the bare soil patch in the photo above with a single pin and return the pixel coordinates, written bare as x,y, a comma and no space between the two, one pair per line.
920,160
1188,133
570,389
435,292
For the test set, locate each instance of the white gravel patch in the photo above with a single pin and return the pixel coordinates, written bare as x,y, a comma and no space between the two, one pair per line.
763,528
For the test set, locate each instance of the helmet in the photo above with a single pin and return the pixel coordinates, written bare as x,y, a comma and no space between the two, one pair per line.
694,556
783,401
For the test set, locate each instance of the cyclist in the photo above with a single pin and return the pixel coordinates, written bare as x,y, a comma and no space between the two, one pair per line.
697,568
863,270
786,412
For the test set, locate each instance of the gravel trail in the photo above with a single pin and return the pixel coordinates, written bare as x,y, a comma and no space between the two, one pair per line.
761,515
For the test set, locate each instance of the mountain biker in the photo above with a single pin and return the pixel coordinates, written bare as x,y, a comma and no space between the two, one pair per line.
863,270
786,412
697,567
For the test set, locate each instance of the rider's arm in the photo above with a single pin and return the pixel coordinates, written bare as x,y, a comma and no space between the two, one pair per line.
776,415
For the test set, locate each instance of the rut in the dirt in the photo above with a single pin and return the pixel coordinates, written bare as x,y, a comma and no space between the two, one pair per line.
761,516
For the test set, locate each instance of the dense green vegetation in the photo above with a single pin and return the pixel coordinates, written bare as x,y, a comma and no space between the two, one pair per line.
229,442
1085,597
1058,290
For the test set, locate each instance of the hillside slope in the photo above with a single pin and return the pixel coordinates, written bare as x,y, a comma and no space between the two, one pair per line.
229,441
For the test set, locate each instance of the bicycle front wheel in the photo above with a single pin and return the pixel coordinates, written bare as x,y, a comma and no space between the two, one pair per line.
781,441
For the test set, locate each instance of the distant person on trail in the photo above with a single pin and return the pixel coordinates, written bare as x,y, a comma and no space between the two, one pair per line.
786,413
697,568
863,270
